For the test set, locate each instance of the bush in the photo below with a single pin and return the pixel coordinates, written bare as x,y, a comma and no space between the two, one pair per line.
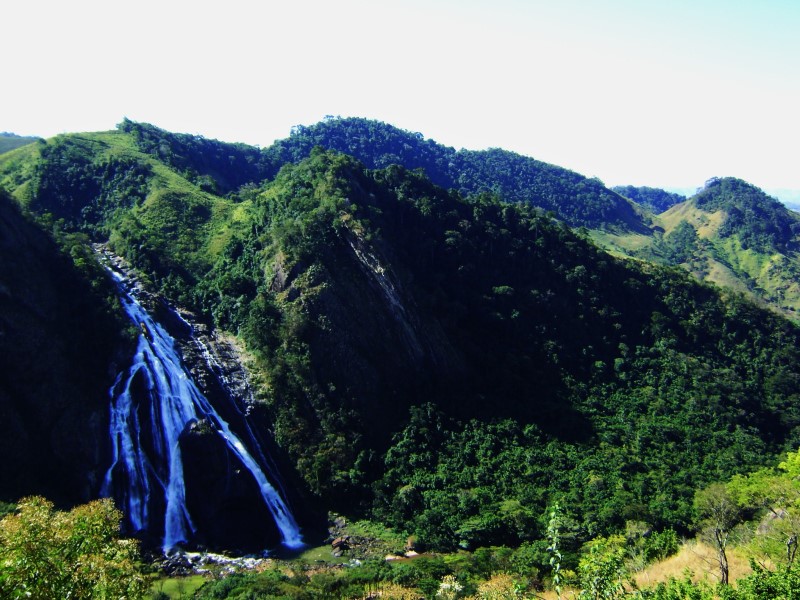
46,553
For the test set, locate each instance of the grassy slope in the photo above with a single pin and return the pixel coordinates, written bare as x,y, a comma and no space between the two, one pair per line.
10,142
770,279
202,222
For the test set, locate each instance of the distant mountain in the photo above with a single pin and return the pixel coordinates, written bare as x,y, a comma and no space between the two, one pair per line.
655,199
733,234
447,363
789,197
10,141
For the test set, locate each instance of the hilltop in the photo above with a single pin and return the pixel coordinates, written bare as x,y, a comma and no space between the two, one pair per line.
729,233
626,220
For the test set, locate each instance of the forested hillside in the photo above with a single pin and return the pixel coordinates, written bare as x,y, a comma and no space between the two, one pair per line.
447,364
655,199
572,197
621,220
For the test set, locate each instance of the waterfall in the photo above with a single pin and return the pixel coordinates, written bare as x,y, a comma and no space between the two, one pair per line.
147,467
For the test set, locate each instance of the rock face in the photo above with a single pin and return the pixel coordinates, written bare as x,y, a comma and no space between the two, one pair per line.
57,348
222,496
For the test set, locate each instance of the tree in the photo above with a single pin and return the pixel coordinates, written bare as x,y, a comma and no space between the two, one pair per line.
602,570
717,513
776,493
46,553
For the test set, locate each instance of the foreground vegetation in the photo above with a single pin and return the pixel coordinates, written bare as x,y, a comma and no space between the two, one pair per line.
757,513
77,554
45,553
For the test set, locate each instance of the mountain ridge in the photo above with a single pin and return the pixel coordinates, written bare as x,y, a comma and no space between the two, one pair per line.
438,360
578,200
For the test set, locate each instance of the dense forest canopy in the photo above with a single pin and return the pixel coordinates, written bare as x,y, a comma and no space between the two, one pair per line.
572,197
436,348
656,199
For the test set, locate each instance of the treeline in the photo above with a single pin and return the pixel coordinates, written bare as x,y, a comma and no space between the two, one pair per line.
222,167
577,200
214,166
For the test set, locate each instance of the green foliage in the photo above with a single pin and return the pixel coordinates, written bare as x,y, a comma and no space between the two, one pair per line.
175,588
240,586
84,187
7,508
10,141
213,166
656,199
781,584
515,178
77,554
683,589
602,570
681,244
760,222
660,545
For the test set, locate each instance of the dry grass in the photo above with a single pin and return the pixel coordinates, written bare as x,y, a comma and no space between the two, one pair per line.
696,557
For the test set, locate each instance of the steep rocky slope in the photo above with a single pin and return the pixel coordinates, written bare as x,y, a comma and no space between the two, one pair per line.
59,343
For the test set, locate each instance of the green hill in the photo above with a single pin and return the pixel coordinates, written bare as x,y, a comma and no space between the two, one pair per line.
732,234
577,200
448,364
572,197
10,141
655,199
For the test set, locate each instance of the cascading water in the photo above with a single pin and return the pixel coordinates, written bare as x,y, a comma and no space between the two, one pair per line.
147,468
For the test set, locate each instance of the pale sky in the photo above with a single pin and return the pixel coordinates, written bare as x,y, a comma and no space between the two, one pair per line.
660,93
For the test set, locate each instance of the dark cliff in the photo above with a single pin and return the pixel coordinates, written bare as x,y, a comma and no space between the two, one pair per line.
58,341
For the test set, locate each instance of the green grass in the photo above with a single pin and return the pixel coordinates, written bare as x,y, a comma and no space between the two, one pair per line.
176,587
319,554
